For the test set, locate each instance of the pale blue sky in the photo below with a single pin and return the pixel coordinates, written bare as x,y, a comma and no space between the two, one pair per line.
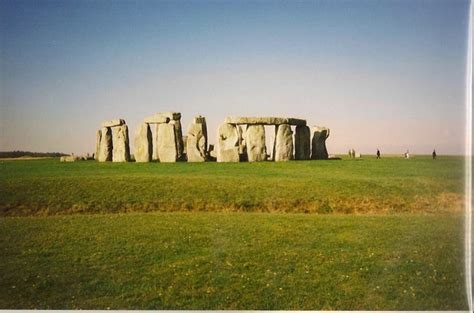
386,74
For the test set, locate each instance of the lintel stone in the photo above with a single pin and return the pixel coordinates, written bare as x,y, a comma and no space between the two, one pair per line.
113,123
265,121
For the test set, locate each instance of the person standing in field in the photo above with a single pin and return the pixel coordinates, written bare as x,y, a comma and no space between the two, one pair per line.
434,154
378,154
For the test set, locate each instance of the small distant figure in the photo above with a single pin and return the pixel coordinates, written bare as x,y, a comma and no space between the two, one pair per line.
434,154
378,154
407,154
352,153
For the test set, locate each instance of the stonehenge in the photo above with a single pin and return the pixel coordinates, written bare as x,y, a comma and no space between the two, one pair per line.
255,143
302,143
143,143
167,147
120,142
283,147
160,137
196,140
228,140
318,143
112,142
105,145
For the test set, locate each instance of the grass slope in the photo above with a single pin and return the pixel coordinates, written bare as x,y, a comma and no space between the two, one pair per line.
389,185
232,261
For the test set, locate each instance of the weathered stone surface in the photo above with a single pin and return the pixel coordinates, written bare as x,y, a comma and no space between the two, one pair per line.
155,142
160,118
71,158
227,143
302,143
105,150
166,145
185,141
283,143
97,144
241,129
196,141
113,123
156,119
121,143
143,143
212,152
178,135
264,120
318,143
255,142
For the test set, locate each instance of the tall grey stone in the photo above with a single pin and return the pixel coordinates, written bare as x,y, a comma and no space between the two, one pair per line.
255,142
241,129
227,143
166,145
155,142
178,135
106,147
97,144
283,148
121,144
302,143
318,143
196,141
143,143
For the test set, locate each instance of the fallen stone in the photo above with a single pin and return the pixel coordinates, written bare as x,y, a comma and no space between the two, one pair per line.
143,143
302,143
318,143
227,143
105,150
121,150
283,143
196,141
70,158
166,143
255,143
113,123
265,121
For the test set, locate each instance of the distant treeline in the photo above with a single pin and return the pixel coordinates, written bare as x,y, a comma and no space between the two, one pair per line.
18,154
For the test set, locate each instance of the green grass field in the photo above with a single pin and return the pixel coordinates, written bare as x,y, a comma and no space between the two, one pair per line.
389,185
387,235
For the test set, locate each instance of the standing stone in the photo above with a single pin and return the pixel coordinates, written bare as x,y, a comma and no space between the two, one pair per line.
167,149
97,144
241,129
105,149
227,143
121,151
196,141
178,135
318,146
283,143
143,143
255,142
155,143
302,143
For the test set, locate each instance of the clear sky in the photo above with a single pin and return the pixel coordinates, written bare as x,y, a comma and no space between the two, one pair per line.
380,74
